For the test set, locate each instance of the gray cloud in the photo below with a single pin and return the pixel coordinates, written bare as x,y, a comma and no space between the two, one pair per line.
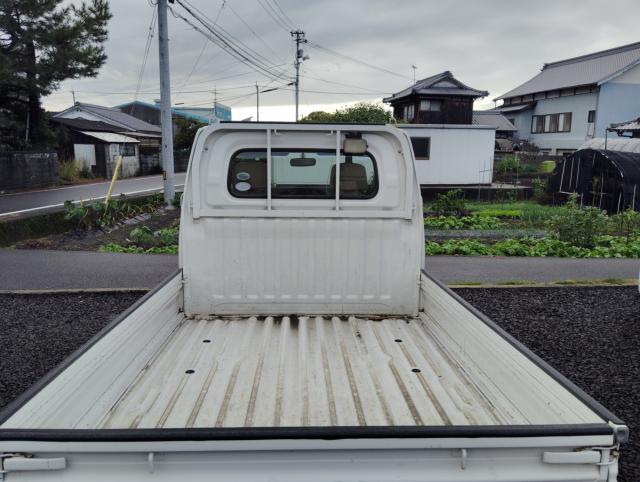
489,44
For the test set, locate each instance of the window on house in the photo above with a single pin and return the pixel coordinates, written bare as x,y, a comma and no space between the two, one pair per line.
409,112
128,149
537,124
302,174
564,122
591,116
431,105
550,123
421,147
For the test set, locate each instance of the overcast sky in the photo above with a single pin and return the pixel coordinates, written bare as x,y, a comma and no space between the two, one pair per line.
490,45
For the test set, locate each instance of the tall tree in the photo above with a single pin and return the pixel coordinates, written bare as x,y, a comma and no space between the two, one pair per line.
42,43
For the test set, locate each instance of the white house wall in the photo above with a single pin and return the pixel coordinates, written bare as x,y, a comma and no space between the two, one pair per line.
459,155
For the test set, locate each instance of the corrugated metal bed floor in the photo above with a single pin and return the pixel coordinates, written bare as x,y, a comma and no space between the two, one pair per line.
303,371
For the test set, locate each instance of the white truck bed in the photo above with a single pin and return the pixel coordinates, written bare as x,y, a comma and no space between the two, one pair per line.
442,368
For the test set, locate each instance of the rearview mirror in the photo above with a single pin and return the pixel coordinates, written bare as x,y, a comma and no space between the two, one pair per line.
302,162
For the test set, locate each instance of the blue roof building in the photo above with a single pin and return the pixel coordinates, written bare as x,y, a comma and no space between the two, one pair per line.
150,113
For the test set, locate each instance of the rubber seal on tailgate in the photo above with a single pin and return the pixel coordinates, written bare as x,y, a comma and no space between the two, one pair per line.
324,433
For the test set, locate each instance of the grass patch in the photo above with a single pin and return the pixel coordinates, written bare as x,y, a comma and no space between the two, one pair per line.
466,283
590,282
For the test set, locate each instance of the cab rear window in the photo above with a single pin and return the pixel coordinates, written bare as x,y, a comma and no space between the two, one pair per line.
302,174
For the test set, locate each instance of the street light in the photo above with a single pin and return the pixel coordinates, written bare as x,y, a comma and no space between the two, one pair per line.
258,92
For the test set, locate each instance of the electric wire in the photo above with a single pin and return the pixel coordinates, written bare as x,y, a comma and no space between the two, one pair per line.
147,49
228,46
353,59
195,65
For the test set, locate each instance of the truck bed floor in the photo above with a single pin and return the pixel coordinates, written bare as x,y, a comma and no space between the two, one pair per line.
303,371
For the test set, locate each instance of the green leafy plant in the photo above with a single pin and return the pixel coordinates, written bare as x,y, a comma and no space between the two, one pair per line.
606,247
539,186
626,223
117,248
465,222
450,204
508,164
578,225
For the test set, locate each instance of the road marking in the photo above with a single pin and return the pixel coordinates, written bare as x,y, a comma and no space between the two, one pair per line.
80,186
51,206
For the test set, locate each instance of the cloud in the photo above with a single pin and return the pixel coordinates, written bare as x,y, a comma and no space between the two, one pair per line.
492,45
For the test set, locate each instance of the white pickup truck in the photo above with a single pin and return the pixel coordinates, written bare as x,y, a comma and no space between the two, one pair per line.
301,340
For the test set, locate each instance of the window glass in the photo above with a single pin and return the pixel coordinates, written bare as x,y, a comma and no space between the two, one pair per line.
302,174
421,147
408,112
591,117
431,105
128,149
564,122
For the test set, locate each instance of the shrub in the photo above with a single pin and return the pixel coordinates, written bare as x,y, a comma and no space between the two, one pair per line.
68,171
85,172
626,223
540,189
508,164
450,204
578,225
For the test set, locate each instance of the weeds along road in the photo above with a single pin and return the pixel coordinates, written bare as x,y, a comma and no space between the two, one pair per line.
33,202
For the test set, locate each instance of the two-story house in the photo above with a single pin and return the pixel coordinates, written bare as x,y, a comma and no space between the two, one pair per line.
576,99
451,148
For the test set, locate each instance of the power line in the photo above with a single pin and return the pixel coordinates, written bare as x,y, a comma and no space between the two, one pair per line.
147,49
254,32
195,65
227,45
284,14
228,40
357,61
275,18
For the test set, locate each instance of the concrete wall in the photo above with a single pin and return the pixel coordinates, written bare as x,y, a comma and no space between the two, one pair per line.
579,106
459,154
619,100
130,164
25,170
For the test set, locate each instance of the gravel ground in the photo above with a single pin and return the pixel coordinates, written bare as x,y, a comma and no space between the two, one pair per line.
591,335
39,331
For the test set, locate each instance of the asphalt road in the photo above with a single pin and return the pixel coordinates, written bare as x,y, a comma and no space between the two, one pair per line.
41,270
35,201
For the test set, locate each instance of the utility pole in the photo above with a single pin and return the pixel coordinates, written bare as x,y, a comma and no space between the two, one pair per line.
414,67
165,104
298,37
73,93
257,103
